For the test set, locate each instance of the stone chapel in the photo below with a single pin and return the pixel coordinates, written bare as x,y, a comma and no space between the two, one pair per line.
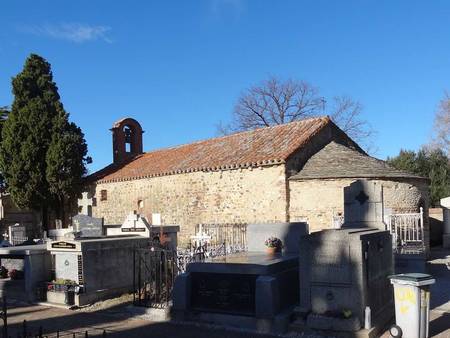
289,172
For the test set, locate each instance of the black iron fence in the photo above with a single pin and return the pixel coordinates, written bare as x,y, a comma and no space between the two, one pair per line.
27,331
155,270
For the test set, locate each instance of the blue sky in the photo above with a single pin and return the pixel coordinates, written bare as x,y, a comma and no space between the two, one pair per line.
179,66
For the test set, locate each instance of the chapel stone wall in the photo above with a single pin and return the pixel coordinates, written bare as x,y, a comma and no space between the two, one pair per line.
231,196
315,201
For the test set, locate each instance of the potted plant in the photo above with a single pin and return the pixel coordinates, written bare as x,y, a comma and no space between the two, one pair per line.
273,245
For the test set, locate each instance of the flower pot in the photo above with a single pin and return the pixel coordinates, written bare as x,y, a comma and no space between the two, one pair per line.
271,251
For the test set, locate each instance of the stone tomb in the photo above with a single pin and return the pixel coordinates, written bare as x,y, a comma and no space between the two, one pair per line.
343,271
34,261
102,266
251,289
136,224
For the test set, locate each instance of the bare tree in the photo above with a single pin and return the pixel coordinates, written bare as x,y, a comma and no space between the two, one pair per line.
441,135
346,113
275,101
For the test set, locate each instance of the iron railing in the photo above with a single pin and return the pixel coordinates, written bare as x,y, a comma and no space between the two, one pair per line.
336,221
407,230
221,239
155,270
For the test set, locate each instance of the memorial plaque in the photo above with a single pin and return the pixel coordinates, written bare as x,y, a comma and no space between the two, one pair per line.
66,266
63,245
133,229
224,293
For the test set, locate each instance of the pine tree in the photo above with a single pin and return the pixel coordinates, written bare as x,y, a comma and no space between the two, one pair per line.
30,153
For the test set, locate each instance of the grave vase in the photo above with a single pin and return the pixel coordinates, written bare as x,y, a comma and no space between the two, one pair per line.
272,251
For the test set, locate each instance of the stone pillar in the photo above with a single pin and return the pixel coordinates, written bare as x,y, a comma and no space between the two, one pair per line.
181,296
445,204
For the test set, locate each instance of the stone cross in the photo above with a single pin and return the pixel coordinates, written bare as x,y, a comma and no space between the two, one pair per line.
131,220
85,204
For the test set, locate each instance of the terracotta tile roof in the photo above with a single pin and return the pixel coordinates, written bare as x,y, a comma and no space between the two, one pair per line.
338,161
260,147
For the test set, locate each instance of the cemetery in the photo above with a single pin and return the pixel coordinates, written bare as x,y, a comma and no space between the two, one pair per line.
266,277
236,260
292,228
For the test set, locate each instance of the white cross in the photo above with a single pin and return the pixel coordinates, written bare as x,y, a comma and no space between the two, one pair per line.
85,202
200,237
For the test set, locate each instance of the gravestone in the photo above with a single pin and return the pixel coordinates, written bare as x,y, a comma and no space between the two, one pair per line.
87,226
344,270
363,205
17,234
289,233
137,225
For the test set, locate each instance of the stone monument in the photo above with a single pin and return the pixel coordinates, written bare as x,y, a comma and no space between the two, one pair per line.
85,204
445,204
250,289
17,234
137,225
343,271
87,226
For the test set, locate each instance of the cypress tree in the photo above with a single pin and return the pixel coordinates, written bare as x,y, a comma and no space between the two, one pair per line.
65,160
33,135
4,111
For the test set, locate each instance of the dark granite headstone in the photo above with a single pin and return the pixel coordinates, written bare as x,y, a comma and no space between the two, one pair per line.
87,226
289,233
363,205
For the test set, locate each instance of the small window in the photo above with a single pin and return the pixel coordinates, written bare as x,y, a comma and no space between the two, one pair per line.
140,204
103,195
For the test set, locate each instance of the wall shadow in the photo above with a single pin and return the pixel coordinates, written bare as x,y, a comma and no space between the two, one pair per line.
68,322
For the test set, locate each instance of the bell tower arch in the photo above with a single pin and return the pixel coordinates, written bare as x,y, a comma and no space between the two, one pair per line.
127,139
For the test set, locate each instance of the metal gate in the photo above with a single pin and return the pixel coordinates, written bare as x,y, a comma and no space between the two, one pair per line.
155,270
407,231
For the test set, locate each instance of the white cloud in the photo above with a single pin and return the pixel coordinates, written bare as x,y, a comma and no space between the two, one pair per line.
74,32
